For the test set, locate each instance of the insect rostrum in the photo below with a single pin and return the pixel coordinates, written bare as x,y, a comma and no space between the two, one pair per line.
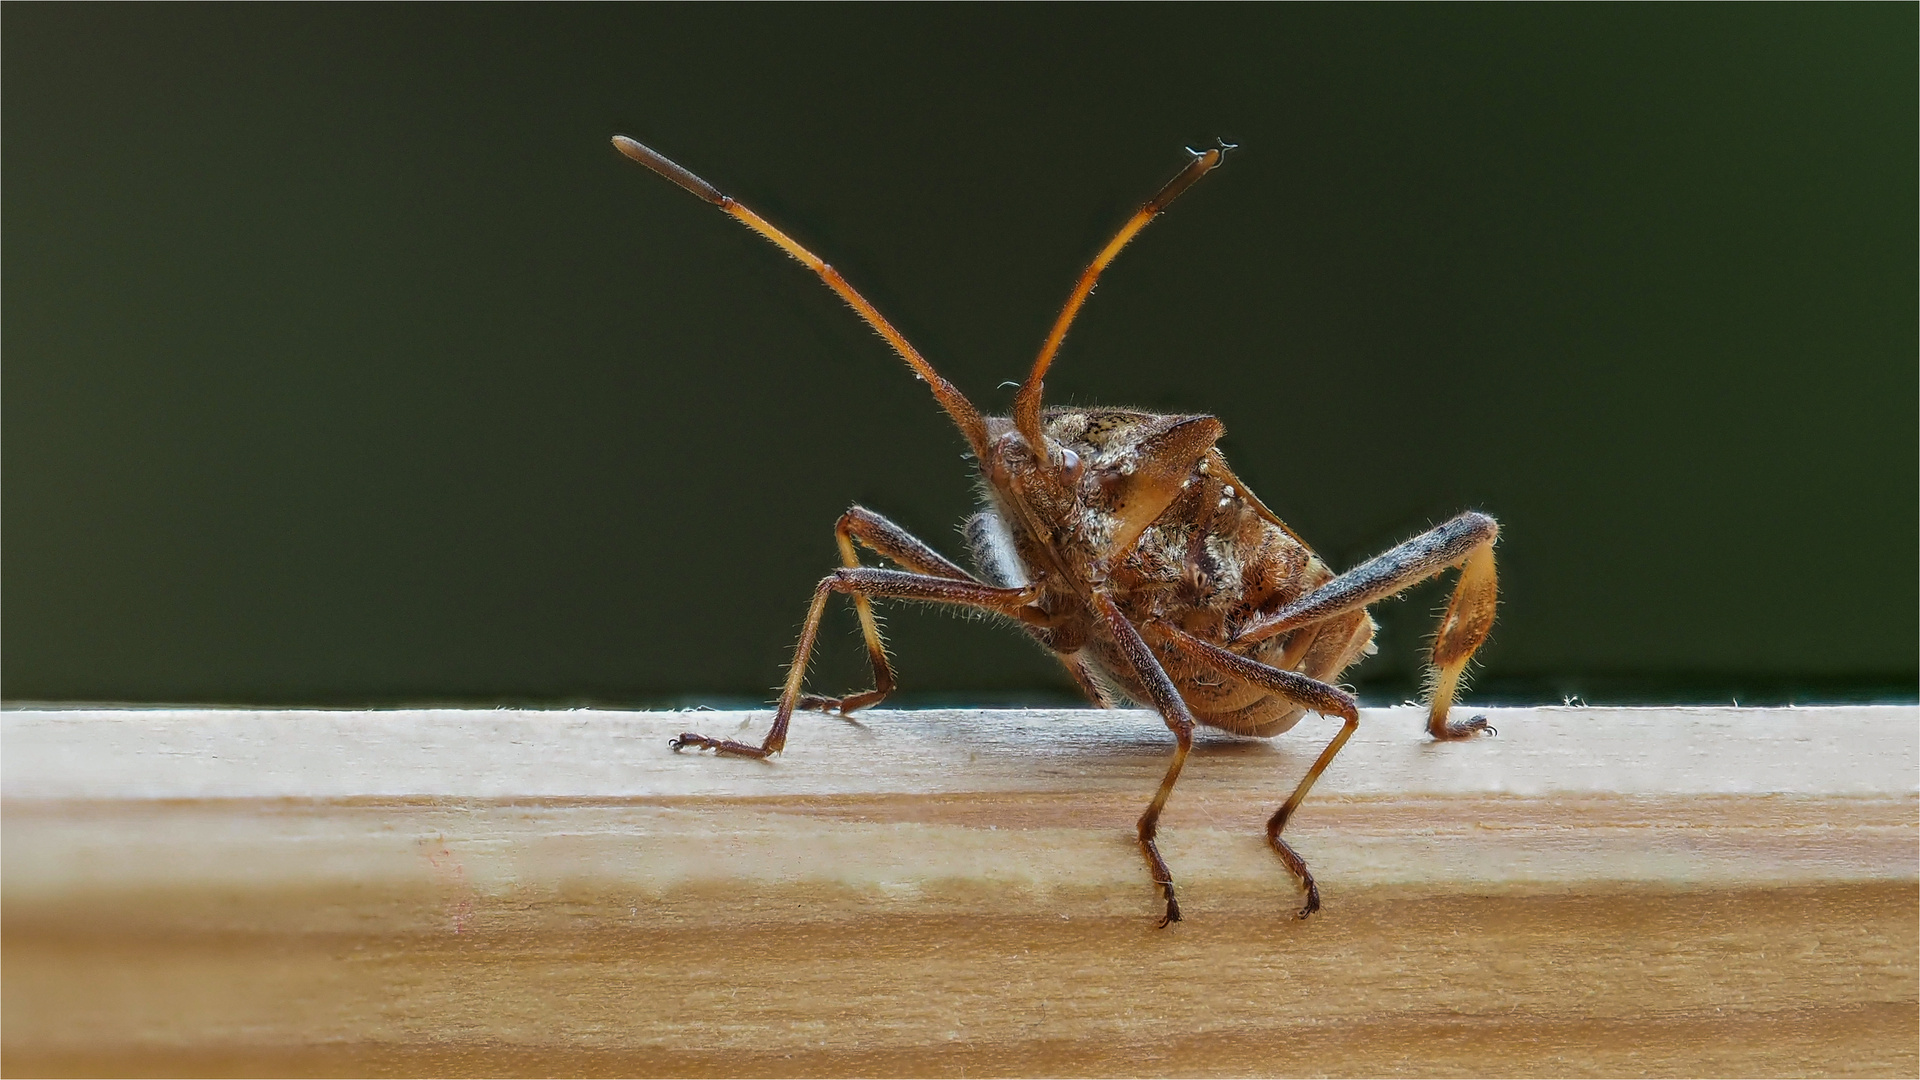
1122,541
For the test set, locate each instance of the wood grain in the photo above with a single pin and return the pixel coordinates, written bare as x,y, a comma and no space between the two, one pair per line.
1595,891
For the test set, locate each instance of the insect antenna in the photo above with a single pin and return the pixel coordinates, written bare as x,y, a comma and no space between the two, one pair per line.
1026,403
964,415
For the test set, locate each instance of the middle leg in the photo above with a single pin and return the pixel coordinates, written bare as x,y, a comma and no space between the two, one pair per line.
1173,709
1300,690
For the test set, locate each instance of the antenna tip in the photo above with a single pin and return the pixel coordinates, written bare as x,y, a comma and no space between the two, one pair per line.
661,164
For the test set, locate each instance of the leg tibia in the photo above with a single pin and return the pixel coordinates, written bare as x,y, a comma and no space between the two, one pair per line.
1465,626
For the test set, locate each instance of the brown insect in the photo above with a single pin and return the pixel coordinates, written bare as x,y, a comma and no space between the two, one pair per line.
1124,544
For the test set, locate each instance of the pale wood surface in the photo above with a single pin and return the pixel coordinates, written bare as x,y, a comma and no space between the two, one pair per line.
1596,891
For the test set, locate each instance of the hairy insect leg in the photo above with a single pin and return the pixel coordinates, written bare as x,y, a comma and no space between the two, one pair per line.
1076,666
889,540
1173,709
1300,690
1463,628
1466,541
869,583
892,542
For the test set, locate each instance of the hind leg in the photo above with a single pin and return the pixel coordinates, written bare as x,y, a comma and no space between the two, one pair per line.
1465,626
1467,542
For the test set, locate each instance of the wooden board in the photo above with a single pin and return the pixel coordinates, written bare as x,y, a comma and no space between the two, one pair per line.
1595,891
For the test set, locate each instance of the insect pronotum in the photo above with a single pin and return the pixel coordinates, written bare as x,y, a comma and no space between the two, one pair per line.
1124,544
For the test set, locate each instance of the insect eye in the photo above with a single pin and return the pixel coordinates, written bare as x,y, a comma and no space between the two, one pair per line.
1071,464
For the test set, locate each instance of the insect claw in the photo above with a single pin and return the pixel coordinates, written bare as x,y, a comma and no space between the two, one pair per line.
1173,913
1173,904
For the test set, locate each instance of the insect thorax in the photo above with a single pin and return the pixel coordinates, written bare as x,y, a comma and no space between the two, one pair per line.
1142,506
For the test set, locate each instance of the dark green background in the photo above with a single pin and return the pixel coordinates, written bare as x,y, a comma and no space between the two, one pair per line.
346,362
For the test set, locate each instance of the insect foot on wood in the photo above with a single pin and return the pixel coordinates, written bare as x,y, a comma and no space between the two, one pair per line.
1122,542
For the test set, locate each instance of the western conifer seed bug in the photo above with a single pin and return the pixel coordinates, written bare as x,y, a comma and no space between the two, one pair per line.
1124,544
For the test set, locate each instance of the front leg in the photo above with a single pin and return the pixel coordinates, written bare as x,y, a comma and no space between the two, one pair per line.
893,542
1467,542
863,583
